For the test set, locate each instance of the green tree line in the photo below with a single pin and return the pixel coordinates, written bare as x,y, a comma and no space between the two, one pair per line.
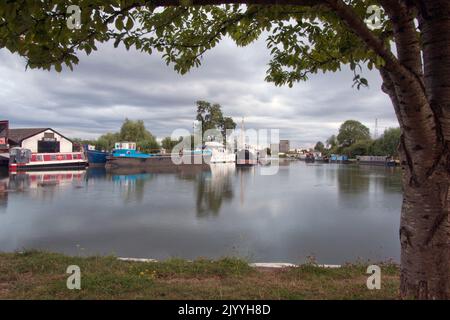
131,131
354,139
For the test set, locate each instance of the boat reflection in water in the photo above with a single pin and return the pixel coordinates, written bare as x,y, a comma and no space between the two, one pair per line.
132,183
213,188
3,191
33,180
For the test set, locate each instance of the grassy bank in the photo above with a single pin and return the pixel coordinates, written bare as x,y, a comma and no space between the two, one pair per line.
39,275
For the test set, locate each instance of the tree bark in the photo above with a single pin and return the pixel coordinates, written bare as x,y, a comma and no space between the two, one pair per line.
424,149
424,234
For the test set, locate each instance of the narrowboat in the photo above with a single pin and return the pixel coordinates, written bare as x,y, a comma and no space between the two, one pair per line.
21,159
376,160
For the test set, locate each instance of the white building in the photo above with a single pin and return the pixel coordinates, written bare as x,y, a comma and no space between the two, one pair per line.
40,140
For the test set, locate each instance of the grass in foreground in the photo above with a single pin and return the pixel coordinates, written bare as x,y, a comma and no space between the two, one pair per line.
41,275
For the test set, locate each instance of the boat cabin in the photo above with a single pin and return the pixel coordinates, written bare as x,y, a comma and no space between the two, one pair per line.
125,146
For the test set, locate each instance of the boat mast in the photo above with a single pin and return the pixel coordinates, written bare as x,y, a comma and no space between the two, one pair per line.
242,137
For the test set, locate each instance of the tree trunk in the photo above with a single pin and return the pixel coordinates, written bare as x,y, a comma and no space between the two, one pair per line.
421,99
424,235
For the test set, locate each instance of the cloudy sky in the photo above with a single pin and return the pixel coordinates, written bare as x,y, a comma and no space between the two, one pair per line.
112,84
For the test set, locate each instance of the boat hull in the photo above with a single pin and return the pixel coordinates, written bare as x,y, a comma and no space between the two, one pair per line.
19,167
96,158
228,158
158,162
246,158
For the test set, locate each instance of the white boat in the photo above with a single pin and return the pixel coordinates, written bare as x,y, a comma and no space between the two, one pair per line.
219,154
247,156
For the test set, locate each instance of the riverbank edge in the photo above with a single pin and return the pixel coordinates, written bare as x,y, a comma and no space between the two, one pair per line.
43,275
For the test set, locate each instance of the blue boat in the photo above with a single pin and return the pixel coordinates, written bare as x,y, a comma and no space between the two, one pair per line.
95,157
128,150
339,158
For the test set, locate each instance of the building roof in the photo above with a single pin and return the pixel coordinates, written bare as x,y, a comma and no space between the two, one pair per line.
18,135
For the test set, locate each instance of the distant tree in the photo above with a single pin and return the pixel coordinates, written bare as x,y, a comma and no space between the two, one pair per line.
332,142
320,147
352,131
359,148
106,142
135,131
211,118
168,144
387,144
227,124
83,141
131,131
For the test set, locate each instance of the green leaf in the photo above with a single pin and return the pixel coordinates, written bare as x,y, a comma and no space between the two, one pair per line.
119,23
129,24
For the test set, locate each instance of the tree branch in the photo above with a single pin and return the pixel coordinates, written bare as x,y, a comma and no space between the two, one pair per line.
167,3
405,35
392,64
357,26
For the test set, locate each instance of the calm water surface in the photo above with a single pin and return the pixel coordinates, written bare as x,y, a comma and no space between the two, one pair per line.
336,213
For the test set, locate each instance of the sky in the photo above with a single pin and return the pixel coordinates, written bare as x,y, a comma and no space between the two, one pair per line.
113,84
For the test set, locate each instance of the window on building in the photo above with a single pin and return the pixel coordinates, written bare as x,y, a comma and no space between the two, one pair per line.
48,146
49,136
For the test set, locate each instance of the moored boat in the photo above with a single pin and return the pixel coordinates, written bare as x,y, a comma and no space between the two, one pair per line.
95,157
125,155
22,159
310,158
246,157
219,154
376,160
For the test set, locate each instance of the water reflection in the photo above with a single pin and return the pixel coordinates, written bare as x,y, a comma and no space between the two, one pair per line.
336,212
3,191
353,180
213,188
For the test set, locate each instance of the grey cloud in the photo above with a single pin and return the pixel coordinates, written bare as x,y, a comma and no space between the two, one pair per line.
112,84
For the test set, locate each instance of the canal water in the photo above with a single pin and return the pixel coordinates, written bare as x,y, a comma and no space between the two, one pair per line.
331,213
